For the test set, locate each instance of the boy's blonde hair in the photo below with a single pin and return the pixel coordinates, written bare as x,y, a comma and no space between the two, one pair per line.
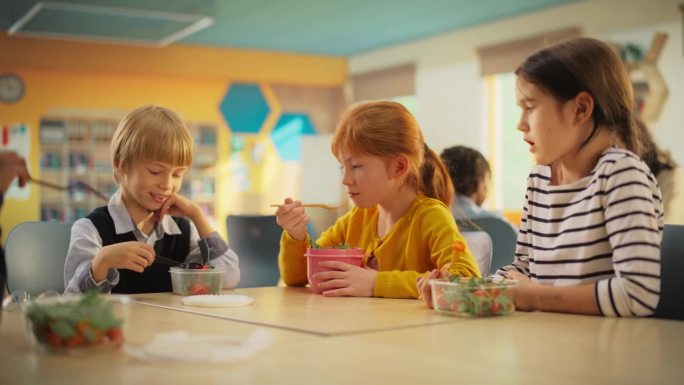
154,133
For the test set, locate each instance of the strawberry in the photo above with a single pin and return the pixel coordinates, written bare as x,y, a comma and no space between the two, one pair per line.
198,289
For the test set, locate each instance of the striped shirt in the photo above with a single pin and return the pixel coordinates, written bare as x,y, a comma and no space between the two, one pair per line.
605,229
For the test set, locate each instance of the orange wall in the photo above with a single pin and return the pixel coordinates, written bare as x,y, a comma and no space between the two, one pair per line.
98,77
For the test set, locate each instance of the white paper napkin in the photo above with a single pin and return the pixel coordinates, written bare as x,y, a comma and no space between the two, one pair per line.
182,347
218,300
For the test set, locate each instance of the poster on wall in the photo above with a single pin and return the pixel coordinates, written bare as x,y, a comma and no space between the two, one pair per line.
16,137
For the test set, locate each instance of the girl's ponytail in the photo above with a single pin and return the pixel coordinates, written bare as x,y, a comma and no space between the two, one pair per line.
434,178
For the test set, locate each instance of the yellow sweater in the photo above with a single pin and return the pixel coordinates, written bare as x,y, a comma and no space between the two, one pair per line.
424,238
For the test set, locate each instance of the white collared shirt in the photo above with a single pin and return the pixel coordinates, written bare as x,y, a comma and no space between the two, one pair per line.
86,243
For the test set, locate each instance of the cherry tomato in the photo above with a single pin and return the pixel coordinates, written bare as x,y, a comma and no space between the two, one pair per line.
51,338
115,335
75,340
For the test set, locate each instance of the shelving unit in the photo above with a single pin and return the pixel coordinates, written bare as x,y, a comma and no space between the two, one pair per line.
77,150
650,89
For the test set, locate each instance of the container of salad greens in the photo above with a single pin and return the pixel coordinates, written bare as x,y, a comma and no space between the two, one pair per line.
470,296
77,323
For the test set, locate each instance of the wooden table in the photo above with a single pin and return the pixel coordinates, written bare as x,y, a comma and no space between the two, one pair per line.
523,348
297,309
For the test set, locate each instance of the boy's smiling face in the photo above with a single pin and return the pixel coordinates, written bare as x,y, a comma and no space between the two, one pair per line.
145,185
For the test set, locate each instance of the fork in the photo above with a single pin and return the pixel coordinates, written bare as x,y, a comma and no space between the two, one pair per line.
70,187
317,205
171,263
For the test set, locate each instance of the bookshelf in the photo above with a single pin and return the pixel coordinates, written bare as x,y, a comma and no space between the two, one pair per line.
77,150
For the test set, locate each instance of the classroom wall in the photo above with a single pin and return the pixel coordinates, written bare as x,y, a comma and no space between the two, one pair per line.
109,79
450,92
452,96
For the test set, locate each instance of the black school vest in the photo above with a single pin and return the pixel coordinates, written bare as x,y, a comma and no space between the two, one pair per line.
155,278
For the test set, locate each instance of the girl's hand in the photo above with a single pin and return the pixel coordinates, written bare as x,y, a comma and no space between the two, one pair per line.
292,218
132,255
348,280
424,290
522,295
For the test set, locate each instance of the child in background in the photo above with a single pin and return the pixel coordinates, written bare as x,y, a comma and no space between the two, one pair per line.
401,220
113,249
11,166
470,174
589,241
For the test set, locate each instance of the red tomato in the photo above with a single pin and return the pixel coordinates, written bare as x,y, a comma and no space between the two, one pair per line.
75,340
51,338
198,289
496,308
115,335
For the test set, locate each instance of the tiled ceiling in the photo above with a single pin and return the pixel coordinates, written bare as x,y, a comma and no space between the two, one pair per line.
341,27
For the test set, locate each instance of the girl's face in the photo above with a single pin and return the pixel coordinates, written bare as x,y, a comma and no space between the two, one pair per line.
548,125
370,180
147,184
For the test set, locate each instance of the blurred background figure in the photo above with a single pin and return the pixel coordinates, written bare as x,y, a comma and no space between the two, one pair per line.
471,175
668,174
11,166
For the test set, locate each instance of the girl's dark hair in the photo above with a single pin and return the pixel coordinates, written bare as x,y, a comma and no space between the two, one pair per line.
388,129
466,167
656,159
583,64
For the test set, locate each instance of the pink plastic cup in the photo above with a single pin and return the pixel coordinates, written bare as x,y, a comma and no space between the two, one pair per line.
316,256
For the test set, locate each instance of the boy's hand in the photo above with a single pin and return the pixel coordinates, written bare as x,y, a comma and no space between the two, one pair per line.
132,255
12,166
292,218
180,206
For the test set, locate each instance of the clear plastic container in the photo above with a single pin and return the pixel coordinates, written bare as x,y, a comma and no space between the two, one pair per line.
316,256
69,324
472,296
196,281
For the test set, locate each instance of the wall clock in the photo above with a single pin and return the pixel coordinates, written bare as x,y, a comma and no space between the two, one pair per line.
11,87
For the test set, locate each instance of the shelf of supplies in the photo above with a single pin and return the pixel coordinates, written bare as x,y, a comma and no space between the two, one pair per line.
76,148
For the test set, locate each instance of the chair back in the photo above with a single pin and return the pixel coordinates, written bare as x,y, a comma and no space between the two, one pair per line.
35,254
256,240
671,303
480,244
503,237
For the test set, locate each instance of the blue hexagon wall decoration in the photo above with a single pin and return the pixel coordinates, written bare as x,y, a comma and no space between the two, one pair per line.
244,108
287,135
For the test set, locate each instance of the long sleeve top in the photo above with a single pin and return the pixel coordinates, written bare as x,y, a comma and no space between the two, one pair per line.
424,238
85,243
604,229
